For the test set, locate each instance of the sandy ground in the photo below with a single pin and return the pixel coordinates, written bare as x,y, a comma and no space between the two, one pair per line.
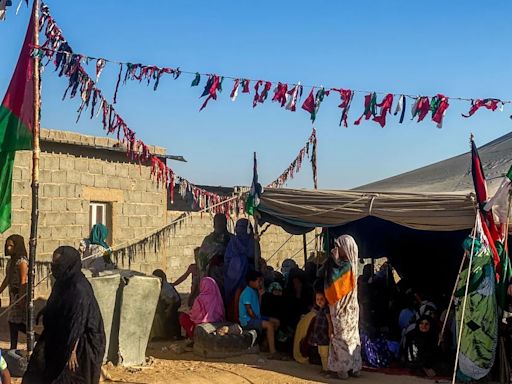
165,366
253,369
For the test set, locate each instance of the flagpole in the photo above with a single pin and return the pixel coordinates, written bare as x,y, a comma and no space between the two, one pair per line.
35,183
315,186
257,248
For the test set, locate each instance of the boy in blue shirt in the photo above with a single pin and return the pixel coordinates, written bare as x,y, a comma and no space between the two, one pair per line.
5,376
249,310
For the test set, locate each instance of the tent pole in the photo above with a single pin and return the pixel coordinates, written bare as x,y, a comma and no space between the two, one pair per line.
35,184
305,246
452,297
459,339
257,248
441,335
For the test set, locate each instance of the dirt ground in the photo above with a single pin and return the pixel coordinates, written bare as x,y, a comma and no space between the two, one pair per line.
166,366
253,369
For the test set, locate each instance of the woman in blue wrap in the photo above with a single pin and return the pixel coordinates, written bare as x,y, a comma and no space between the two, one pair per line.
238,259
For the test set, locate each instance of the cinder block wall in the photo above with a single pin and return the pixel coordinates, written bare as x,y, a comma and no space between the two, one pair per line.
77,169
180,249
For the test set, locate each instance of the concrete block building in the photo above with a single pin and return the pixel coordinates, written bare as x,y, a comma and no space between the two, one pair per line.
86,180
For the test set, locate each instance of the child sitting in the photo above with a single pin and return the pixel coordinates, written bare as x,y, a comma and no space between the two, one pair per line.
249,310
5,376
322,329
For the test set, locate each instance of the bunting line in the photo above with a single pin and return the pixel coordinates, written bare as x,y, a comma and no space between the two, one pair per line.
57,49
287,95
92,98
308,150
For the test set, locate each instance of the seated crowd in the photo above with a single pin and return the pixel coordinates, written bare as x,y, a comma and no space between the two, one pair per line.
291,309
326,314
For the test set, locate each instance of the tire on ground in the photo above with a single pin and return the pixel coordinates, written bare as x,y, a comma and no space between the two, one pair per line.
16,364
207,344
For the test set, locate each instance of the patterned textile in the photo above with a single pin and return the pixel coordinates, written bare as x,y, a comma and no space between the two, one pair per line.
376,351
480,332
345,351
17,313
320,334
95,257
213,244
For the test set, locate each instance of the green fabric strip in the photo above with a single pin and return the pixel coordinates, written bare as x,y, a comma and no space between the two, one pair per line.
7,164
509,173
14,135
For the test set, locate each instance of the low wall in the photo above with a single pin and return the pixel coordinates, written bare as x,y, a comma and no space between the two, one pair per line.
176,252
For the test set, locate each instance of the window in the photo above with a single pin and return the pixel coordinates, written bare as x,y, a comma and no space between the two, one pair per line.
101,213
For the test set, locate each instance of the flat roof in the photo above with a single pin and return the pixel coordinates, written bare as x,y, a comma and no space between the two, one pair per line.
105,143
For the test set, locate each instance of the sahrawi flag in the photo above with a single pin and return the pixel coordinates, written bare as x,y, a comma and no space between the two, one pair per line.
498,206
16,123
253,200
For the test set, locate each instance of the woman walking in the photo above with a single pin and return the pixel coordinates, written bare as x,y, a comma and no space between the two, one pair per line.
16,279
72,345
340,286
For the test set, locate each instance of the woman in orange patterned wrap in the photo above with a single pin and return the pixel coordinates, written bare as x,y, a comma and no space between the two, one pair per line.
340,287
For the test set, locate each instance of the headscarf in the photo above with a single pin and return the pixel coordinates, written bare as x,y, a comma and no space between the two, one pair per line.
422,345
236,259
243,243
71,314
213,244
467,245
67,266
19,245
428,311
208,306
287,266
99,234
275,286
340,279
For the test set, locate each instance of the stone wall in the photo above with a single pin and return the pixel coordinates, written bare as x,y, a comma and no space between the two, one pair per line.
76,170
180,249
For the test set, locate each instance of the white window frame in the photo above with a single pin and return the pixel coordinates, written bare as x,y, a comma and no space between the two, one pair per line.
94,218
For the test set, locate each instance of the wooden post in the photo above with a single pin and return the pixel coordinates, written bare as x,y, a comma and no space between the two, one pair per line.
257,249
305,246
35,184
315,185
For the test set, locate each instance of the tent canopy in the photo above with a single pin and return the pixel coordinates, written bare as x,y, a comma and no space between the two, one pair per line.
299,211
438,197
454,174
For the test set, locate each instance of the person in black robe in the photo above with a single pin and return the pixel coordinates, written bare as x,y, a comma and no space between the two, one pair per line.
299,297
422,354
72,345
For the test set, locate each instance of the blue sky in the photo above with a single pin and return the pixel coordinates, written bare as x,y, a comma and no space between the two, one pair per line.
458,48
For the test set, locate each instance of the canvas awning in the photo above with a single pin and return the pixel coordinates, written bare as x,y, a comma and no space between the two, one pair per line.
299,211
437,197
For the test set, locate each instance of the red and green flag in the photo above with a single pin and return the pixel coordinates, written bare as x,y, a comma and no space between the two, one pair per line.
16,123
